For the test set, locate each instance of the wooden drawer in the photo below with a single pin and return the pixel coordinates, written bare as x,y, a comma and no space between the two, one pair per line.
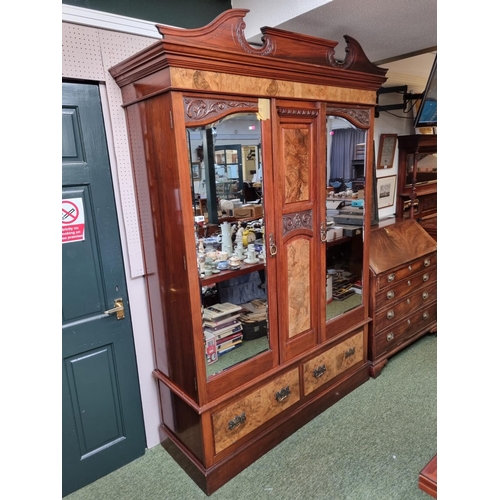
332,362
405,307
392,276
419,281
248,413
391,337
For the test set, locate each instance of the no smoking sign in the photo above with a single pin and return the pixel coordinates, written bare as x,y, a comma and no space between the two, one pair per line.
73,220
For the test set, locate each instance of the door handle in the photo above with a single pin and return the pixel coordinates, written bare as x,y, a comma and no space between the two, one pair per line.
118,309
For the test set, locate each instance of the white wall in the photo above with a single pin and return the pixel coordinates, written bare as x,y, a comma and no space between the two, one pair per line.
87,54
392,122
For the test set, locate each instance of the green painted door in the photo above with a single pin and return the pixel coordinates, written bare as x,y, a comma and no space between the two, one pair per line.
103,427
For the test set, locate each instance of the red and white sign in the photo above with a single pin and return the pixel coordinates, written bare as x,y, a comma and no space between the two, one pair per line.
73,220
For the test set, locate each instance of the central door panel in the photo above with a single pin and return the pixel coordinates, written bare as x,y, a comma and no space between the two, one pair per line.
297,239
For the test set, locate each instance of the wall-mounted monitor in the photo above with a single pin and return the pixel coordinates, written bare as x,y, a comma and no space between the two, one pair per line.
427,112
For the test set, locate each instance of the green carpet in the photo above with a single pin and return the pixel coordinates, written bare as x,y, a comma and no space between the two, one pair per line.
371,445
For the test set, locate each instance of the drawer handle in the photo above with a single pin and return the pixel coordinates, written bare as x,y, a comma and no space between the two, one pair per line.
390,336
425,295
238,420
319,372
409,282
350,352
390,294
409,267
427,262
391,277
283,394
425,277
425,315
390,314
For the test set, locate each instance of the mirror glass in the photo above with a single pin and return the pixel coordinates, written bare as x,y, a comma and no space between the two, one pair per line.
345,173
422,167
229,222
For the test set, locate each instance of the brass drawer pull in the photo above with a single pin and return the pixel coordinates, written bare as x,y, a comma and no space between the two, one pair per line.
319,372
238,420
390,336
390,314
391,277
391,294
425,316
283,394
425,295
427,262
425,277
350,352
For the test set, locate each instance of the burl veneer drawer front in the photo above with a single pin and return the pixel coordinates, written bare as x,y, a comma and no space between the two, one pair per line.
333,362
393,276
248,413
400,332
405,308
418,281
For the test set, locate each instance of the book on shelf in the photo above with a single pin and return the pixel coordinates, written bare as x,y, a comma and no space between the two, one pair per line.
214,327
229,339
222,323
218,311
224,334
220,353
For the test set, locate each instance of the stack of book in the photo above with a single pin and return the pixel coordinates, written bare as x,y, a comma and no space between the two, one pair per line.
222,328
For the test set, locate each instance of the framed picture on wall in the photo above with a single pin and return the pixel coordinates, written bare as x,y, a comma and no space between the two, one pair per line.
195,169
386,150
386,189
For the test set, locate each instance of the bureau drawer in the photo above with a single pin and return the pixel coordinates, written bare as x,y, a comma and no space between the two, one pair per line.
405,307
400,289
332,362
246,414
393,336
393,276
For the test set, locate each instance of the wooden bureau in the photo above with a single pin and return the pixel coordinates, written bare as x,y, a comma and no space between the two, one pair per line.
403,289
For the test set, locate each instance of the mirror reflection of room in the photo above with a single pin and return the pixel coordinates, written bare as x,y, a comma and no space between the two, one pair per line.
230,176
226,184
345,164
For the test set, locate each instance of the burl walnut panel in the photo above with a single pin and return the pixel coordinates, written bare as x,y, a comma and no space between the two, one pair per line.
333,362
296,159
299,288
247,414
270,87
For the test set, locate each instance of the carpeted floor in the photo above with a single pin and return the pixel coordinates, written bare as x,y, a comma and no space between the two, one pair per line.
371,445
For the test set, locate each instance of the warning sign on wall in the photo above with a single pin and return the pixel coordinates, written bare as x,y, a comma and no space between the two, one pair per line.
73,220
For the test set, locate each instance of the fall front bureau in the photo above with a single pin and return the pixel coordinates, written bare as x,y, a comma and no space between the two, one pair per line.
403,289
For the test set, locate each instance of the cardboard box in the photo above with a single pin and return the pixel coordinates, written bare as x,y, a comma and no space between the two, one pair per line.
243,212
248,211
258,211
